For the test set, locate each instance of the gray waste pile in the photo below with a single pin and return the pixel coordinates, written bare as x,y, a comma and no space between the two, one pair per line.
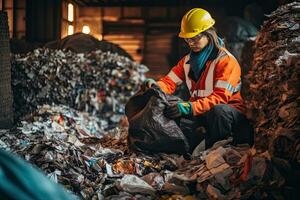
97,82
64,143
72,149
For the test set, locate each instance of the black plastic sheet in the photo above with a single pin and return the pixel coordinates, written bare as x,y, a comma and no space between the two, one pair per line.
149,129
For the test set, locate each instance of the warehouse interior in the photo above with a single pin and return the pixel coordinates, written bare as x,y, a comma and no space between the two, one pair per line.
70,70
147,30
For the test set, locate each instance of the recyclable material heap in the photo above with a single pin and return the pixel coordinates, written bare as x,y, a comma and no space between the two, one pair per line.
97,82
273,92
71,149
274,81
75,149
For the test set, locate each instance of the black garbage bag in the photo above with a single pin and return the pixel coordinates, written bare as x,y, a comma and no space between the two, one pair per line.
149,129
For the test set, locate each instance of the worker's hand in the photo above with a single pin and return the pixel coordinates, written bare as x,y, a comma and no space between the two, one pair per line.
148,83
178,110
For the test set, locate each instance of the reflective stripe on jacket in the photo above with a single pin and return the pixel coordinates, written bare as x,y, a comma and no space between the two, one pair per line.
219,83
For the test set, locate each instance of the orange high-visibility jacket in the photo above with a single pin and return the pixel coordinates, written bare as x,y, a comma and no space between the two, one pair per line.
219,83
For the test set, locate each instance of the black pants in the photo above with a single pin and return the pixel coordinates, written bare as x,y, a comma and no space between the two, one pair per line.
220,122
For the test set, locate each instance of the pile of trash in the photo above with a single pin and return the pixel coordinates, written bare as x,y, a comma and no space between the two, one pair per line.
64,143
273,92
97,82
70,147
84,43
89,154
273,82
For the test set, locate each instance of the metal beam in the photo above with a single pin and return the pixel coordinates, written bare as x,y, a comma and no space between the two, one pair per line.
141,2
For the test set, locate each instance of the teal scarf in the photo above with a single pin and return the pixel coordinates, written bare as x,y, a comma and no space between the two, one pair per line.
199,59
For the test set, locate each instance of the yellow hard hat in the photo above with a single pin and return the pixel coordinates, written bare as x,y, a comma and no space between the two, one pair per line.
194,22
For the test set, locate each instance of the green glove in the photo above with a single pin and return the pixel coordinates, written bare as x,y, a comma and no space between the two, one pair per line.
178,110
148,83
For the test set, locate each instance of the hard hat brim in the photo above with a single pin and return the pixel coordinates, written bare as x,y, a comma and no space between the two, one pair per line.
187,35
193,34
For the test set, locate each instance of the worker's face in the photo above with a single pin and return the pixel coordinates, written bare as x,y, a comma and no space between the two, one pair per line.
197,43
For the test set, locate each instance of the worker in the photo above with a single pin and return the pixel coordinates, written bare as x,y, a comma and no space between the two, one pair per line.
213,77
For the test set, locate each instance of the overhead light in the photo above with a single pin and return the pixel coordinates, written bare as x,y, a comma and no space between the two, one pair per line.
70,12
86,29
70,30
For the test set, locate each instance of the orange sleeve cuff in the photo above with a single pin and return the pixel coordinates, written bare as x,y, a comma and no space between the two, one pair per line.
167,85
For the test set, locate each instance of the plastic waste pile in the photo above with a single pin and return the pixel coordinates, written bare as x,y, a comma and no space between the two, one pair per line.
97,82
273,81
89,154
273,92
72,149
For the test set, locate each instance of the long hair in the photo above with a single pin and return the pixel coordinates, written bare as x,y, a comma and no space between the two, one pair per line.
212,34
